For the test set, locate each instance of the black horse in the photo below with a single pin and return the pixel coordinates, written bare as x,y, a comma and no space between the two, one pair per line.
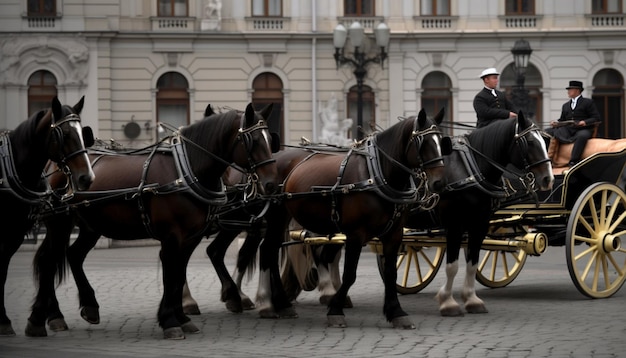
54,134
170,193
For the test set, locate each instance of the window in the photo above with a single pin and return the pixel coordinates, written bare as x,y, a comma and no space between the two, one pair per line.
437,95
520,7
41,89
606,6
369,119
267,8
172,8
358,7
435,7
268,88
172,102
608,95
42,7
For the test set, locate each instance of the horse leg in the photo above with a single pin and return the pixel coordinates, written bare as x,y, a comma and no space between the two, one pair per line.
76,254
216,252
190,305
327,259
11,243
49,262
392,309
335,275
246,262
335,315
447,304
473,304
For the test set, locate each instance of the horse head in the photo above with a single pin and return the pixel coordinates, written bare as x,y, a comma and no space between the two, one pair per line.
528,152
255,145
66,140
429,149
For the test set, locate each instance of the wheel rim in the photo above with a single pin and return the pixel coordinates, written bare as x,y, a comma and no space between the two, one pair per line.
417,266
595,231
498,268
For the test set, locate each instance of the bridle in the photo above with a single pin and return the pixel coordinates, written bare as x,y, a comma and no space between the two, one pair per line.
57,138
521,142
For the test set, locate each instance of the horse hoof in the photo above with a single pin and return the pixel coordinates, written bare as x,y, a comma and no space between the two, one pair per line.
451,311
57,325
173,333
476,308
402,322
6,330
336,321
268,313
189,327
192,310
90,314
234,306
289,312
247,304
35,331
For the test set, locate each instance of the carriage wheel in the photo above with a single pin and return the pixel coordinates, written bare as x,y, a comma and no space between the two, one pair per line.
498,268
595,257
417,266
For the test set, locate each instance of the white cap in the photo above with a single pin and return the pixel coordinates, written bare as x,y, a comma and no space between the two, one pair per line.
489,71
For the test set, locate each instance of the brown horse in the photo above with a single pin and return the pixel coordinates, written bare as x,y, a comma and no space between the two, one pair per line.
362,194
53,134
171,193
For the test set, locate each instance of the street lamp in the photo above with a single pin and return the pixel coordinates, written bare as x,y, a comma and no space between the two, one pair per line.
359,59
521,54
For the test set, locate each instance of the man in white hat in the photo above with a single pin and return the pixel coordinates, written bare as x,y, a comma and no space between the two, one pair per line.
491,104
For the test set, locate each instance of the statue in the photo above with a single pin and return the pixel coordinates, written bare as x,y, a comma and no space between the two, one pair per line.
333,130
212,15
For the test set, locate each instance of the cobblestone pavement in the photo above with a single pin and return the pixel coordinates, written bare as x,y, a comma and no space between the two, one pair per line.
540,314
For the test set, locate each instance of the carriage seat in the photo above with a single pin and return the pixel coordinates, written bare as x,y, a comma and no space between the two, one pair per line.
560,153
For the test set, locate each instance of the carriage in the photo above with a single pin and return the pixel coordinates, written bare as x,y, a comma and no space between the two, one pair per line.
585,211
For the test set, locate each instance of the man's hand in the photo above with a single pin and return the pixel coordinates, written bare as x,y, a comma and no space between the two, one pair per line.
512,115
553,124
581,124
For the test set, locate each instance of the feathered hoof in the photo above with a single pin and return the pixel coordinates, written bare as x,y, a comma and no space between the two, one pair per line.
175,333
6,330
234,306
476,308
247,304
57,325
192,310
403,322
268,313
289,312
35,331
336,321
190,327
90,314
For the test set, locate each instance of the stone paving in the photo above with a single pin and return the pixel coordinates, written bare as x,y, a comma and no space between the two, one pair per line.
541,314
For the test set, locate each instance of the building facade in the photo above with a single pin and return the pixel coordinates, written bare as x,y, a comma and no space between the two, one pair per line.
144,62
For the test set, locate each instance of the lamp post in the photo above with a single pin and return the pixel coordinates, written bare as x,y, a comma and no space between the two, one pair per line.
359,59
521,54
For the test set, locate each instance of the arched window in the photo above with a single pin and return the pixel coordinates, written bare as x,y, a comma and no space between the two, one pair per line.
42,87
369,114
172,101
608,94
533,84
268,88
437,95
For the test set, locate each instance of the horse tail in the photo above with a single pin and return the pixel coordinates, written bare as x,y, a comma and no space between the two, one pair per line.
298,270
51,258
247,258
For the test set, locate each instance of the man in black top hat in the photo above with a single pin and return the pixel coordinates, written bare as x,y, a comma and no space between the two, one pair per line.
490,104
578,117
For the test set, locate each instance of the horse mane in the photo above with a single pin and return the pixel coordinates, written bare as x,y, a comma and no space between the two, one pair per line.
393,139
208,133
25,131
494,140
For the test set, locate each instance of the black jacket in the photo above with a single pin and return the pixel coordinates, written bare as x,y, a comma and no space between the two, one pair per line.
585,111
489,108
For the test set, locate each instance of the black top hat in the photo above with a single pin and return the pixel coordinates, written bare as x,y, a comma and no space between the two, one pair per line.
575,84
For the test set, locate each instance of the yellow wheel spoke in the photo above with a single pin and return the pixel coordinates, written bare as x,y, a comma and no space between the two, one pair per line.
483,262
407,268
620,270
505,264
592,259
603,207
586,224
596,274
605,272
587,240
593,212
494,265
427,259
418,269
618,221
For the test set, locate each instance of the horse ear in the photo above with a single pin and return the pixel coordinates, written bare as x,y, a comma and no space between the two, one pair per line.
266,111
250,115
88,138
521,120
57,109
421,118
439,117
209,111
78,107
446,145
275,142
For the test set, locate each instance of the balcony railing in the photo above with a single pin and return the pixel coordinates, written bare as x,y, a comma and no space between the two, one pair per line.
607,20
177,24
520,22
436,22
